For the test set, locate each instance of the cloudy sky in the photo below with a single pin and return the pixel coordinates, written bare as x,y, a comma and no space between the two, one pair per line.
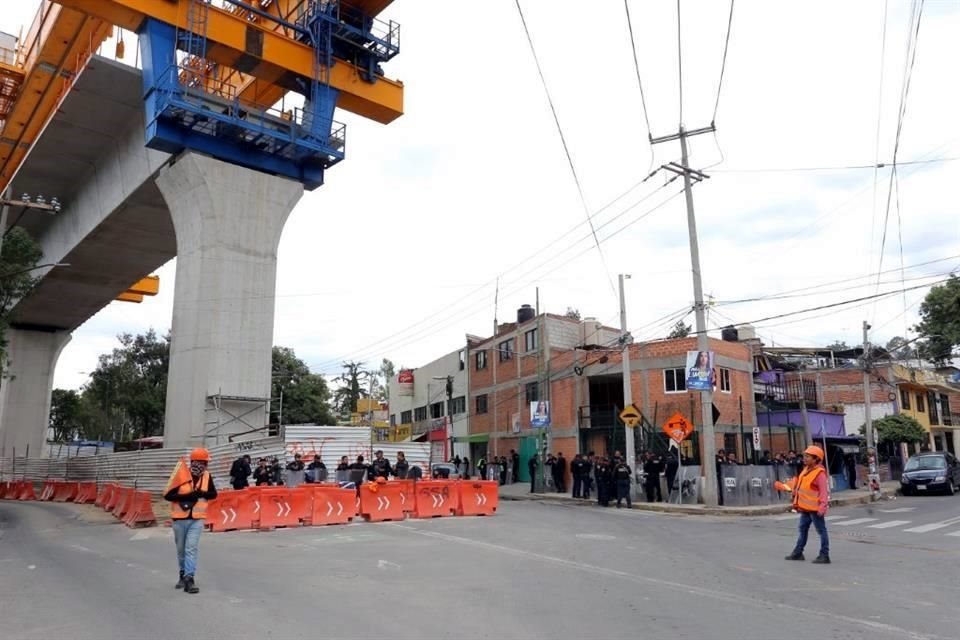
399,254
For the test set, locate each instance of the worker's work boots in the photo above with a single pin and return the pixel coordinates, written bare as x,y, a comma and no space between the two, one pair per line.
180,581
189,586
795,556
821,559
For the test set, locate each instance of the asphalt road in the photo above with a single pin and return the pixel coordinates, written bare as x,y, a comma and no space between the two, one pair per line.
533,571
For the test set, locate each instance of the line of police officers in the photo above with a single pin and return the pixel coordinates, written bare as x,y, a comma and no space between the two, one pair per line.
612,476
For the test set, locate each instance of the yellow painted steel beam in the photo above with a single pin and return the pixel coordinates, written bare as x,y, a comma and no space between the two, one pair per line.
126,296
149,286
57,47
234,41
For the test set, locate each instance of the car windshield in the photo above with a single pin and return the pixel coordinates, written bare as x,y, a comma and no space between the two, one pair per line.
925,462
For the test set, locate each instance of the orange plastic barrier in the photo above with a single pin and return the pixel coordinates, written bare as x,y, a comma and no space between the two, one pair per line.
26,492
436,498
332,505
8,488
380,502
478,497
112,498
248,506
408,495
140,513
124,503
226,513
13,490
103,494
277,508
49,486
87,493
65,491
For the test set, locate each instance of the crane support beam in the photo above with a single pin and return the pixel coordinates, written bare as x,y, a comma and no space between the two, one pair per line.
255,49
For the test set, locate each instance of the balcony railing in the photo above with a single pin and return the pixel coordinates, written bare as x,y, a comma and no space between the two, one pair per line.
787,392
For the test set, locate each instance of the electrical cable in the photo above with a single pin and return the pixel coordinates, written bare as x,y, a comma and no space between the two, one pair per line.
723,65
566,149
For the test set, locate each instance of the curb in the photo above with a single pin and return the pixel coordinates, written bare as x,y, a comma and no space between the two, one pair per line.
696,509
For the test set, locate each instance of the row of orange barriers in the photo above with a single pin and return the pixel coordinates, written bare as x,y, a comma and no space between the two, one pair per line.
317,505
133,507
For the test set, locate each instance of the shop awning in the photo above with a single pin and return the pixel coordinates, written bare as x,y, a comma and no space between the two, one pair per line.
477,437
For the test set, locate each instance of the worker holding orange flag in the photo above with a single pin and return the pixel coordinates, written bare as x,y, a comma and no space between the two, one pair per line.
811,498
189,488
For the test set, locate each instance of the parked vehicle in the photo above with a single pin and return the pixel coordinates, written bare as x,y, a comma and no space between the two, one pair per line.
927,472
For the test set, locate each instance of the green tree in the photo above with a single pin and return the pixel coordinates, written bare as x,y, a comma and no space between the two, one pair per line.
306,397
940,322
65,414
127,392
381,386
898,348
837,345
680,330
18,259
353,386
898,428
572,313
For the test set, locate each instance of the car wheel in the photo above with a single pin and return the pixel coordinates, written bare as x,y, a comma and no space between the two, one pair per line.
951,489
906,491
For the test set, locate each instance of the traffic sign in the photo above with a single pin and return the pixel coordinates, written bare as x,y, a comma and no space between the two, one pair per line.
630,416
678,427
756,438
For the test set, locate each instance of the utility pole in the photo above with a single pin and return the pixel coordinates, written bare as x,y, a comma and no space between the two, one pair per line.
873,478
703,344
625,341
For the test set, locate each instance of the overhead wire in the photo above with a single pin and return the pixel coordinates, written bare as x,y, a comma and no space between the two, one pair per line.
723,64
876,153
916,17
680,62
851,167
566,149
636,67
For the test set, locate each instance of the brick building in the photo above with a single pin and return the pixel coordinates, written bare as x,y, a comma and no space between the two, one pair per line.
576,367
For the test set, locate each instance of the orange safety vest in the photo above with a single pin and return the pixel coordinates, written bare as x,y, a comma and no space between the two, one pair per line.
805,495
199,509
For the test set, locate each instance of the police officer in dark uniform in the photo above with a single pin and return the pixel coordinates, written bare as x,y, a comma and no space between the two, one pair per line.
651,484
622,475
380,467
604,475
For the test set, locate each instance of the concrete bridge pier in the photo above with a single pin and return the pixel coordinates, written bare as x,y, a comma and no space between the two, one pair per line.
26,387
228,221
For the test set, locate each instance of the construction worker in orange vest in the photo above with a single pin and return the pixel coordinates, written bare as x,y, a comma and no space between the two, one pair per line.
811,498
188,490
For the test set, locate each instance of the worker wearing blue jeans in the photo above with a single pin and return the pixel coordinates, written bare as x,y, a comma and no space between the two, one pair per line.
189,489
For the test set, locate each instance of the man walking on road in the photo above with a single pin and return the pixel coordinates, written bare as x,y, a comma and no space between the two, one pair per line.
811,498
189,488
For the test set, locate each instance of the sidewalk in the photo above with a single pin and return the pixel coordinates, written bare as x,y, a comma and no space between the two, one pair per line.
521,491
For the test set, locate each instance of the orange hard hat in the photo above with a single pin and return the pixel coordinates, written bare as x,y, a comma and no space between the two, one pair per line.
815,451
200,454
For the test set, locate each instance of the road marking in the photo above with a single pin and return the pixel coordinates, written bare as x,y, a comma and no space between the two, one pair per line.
788,516
933,526
887,525
900,510
855,521
386,564
80,548
835,518
955,534
691,589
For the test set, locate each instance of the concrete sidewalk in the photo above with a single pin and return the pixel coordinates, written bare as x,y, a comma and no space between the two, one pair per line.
521,491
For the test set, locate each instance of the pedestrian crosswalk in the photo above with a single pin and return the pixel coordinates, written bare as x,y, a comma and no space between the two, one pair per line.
948,527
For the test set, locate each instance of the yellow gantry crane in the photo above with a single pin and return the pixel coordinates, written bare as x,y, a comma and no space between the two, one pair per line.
216,74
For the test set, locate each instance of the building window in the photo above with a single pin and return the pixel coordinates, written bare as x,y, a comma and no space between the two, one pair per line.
905,399
533,392
932,406
481,404
420,414
458,405
505,349
945,409
530,342
920,407
436,410
725,380
406,417
481,360
393,419
463,360
674,380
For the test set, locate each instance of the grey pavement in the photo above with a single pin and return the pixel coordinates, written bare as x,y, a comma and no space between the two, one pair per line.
532,571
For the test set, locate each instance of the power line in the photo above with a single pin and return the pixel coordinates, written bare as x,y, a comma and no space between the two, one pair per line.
848,167
913,36
876,154
636,66
563,141
723,65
